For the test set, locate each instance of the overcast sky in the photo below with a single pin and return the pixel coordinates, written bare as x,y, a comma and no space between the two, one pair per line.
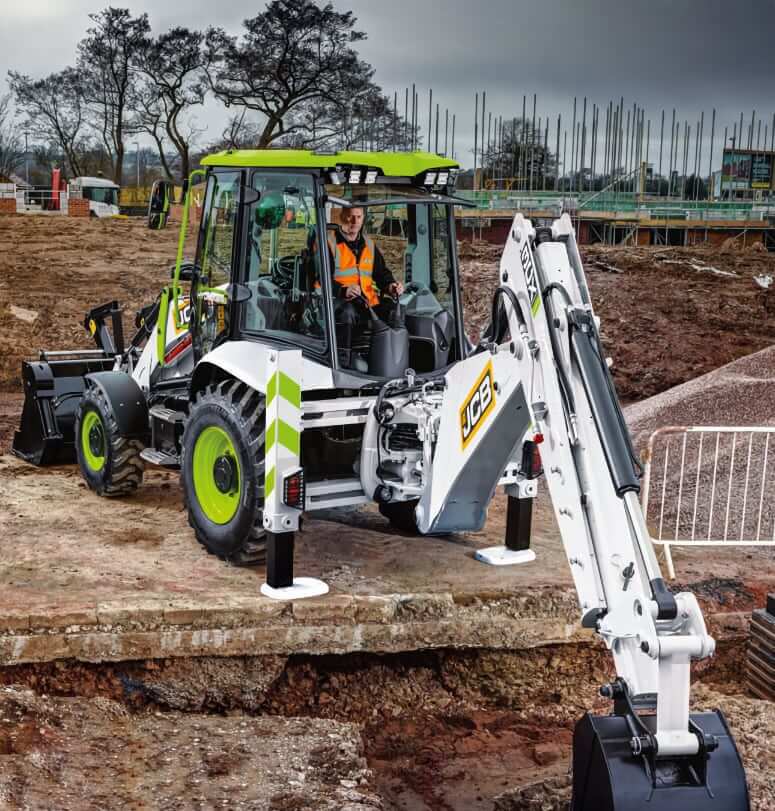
689,54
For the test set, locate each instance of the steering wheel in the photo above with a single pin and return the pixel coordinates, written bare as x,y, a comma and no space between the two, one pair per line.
284,271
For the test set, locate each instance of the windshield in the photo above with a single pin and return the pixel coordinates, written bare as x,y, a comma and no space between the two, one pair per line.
409,261
101,194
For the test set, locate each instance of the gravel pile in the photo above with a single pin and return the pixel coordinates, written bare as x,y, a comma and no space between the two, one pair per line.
728,478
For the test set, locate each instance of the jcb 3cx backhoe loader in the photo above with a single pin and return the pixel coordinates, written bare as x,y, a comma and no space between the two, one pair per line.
242,383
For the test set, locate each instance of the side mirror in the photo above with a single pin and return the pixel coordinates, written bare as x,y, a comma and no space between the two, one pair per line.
238,293
188,272
162,193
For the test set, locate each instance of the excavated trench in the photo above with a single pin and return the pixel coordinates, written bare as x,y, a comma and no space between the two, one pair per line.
441,729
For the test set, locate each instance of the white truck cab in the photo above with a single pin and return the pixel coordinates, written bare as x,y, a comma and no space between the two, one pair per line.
101,193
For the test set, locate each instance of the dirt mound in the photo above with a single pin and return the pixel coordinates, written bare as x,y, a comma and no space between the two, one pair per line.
58,268
737,394
668,314
74,753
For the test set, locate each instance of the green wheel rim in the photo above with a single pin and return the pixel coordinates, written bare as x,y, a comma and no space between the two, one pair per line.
94,458
211,447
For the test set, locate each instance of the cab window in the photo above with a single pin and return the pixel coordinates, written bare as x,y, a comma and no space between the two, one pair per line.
215,250
284,265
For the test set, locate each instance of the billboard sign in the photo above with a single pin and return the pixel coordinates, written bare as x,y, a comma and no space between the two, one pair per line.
761,170
736,171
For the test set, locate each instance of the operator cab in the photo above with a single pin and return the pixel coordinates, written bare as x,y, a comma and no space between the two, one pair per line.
265,267
412,229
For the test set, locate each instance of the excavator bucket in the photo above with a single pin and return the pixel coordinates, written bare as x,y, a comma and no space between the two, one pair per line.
53,386
52,390
613,772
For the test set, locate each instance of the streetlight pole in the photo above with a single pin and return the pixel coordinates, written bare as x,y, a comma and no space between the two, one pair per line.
27,156
137,161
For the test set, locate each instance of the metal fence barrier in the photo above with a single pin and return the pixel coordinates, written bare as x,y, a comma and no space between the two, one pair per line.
710,486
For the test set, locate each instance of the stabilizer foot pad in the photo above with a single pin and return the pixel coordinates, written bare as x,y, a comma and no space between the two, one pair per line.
302,588
503,556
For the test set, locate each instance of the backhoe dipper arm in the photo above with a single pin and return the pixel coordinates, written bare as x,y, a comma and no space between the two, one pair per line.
541,377
592,476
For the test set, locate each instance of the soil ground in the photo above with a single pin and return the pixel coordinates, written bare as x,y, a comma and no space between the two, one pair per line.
666,318
484,727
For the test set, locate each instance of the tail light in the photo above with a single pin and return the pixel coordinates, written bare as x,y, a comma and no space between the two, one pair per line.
293,489
531,466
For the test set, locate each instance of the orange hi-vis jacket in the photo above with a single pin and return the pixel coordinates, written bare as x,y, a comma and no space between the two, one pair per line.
349,270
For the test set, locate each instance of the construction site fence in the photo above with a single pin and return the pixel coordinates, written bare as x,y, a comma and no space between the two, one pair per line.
135,196
620,203
32,200
710,486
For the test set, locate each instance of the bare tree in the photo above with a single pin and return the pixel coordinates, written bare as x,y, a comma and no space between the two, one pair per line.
11,144
174,68
366,120
148,117
522,148
292,56
56,111
105,59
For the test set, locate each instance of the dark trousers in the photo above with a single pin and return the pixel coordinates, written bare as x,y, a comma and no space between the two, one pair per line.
352,317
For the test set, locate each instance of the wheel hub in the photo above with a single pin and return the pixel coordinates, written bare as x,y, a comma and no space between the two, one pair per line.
96,439
225,474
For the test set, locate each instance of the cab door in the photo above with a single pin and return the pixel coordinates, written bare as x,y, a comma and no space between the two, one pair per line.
215,258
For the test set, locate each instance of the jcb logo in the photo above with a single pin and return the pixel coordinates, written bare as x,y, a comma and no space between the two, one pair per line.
530,277
477,406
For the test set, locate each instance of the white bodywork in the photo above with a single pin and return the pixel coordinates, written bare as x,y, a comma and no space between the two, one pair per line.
448,440
149,358
79,187
605,537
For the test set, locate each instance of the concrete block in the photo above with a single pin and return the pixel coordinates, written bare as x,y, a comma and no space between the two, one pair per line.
58,618
331,608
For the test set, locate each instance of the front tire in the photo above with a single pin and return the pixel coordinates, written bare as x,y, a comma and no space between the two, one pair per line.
223,471
109,463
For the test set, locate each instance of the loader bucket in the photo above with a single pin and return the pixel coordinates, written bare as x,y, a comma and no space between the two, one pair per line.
607,776
52,390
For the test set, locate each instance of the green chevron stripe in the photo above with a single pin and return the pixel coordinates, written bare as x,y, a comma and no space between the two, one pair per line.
288,437
269,482
286,387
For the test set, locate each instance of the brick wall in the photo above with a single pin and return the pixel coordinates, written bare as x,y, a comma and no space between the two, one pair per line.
77,207
7,205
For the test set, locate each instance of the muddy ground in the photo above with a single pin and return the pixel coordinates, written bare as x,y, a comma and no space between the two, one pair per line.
670,315
448,730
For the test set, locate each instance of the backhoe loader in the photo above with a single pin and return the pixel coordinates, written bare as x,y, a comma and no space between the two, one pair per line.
237,378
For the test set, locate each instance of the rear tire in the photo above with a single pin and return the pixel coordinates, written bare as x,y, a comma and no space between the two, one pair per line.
109,462
401,515
222,469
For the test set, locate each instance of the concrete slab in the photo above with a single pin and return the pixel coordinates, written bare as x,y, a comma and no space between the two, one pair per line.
93,579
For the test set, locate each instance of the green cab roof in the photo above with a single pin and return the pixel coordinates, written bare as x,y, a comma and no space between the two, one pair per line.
391,164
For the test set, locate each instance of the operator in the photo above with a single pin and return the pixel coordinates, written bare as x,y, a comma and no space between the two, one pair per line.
360,277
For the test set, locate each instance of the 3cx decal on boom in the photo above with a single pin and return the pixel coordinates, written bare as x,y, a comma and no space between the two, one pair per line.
531,277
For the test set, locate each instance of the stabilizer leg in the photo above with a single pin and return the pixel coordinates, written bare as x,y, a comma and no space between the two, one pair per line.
284,492
519,517
280,582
